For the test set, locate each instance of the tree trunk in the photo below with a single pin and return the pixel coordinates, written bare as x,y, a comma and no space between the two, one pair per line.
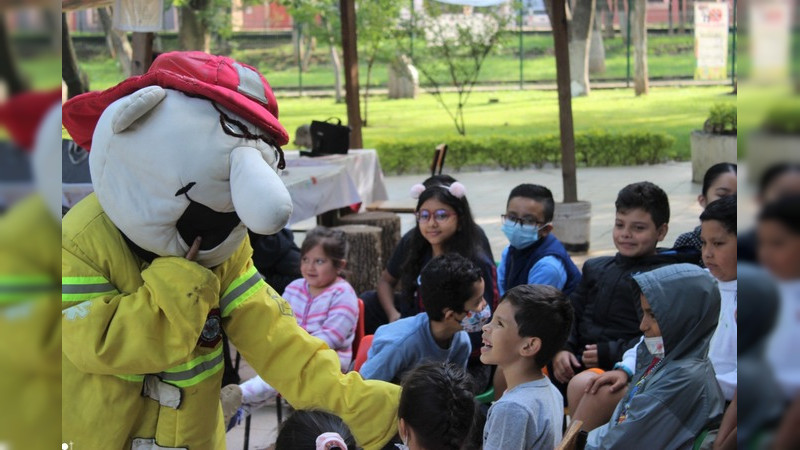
370,63
639,31
459,119
388,222
557,12
117,42
670,23
364,260
311,44
580,33
337,72
682,16
622,12
192,32
597,51
50,17
336,61
9,71
75,79
607,19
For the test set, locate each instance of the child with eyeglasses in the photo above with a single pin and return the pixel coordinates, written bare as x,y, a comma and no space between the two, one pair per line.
324,304
534,255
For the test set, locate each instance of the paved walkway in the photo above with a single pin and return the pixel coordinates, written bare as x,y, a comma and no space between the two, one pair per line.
487,193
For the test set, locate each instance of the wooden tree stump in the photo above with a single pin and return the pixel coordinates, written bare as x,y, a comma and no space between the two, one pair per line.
388,222
364,260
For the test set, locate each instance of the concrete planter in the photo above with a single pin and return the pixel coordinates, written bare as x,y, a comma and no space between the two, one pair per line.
571,225
709,149
766,149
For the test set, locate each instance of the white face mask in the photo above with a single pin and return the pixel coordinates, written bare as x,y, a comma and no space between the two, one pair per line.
655,345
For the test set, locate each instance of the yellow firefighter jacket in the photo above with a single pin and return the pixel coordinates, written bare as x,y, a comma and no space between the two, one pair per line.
135,373
30,343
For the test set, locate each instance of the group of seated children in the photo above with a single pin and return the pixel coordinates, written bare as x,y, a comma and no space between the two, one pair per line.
642,344
444,225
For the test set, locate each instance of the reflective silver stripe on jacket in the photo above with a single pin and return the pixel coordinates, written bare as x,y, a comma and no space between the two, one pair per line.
194,371
239,289
150,444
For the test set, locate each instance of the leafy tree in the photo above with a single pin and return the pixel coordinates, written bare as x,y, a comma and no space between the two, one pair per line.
198,20
455,47
321,19
376,22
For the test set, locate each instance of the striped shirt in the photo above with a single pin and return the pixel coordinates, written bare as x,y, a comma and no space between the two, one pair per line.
330,316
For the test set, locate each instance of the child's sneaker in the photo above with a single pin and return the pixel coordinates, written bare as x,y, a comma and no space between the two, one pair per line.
231,399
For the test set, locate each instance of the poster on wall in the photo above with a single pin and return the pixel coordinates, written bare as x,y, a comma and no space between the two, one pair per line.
770,40
711,40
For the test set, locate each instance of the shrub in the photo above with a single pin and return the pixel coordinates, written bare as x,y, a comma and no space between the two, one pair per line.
783,118
721,119
592,148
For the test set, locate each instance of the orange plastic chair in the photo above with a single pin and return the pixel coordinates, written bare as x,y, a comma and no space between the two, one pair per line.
359,327
363,350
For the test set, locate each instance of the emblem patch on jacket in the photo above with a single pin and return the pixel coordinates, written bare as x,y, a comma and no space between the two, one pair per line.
212,331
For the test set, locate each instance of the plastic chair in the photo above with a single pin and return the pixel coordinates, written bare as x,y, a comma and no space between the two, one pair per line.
359,327
363,350
486,397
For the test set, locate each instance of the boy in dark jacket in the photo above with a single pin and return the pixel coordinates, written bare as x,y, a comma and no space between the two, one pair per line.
607,311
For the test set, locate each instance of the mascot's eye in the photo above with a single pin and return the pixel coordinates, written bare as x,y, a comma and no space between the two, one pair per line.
228,128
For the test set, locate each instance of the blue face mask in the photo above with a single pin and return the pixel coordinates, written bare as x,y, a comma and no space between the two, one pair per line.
520,236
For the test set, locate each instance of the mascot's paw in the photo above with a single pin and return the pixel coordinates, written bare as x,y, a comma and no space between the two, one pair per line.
231,398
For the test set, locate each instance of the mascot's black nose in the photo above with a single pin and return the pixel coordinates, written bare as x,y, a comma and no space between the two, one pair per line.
200,220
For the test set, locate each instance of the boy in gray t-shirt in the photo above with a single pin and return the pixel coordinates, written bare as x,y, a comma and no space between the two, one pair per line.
529,326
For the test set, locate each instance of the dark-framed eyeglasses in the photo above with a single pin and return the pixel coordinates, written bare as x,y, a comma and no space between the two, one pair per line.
520,221
440,215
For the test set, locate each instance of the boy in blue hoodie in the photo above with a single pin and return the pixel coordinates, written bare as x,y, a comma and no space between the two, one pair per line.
674,394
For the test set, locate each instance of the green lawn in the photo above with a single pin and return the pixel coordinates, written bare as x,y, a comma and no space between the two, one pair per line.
675,111
668,57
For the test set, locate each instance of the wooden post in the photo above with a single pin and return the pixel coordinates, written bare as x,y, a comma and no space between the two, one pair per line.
560,41
72,75
388,222
364,261
142,53
641,81
348,19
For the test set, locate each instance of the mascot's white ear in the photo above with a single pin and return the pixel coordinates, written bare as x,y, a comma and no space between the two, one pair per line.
136,105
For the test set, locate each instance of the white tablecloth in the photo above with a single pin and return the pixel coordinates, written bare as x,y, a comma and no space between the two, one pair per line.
361,165
317,189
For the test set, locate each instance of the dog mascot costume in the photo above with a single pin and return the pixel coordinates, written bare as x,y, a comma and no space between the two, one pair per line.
190,149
